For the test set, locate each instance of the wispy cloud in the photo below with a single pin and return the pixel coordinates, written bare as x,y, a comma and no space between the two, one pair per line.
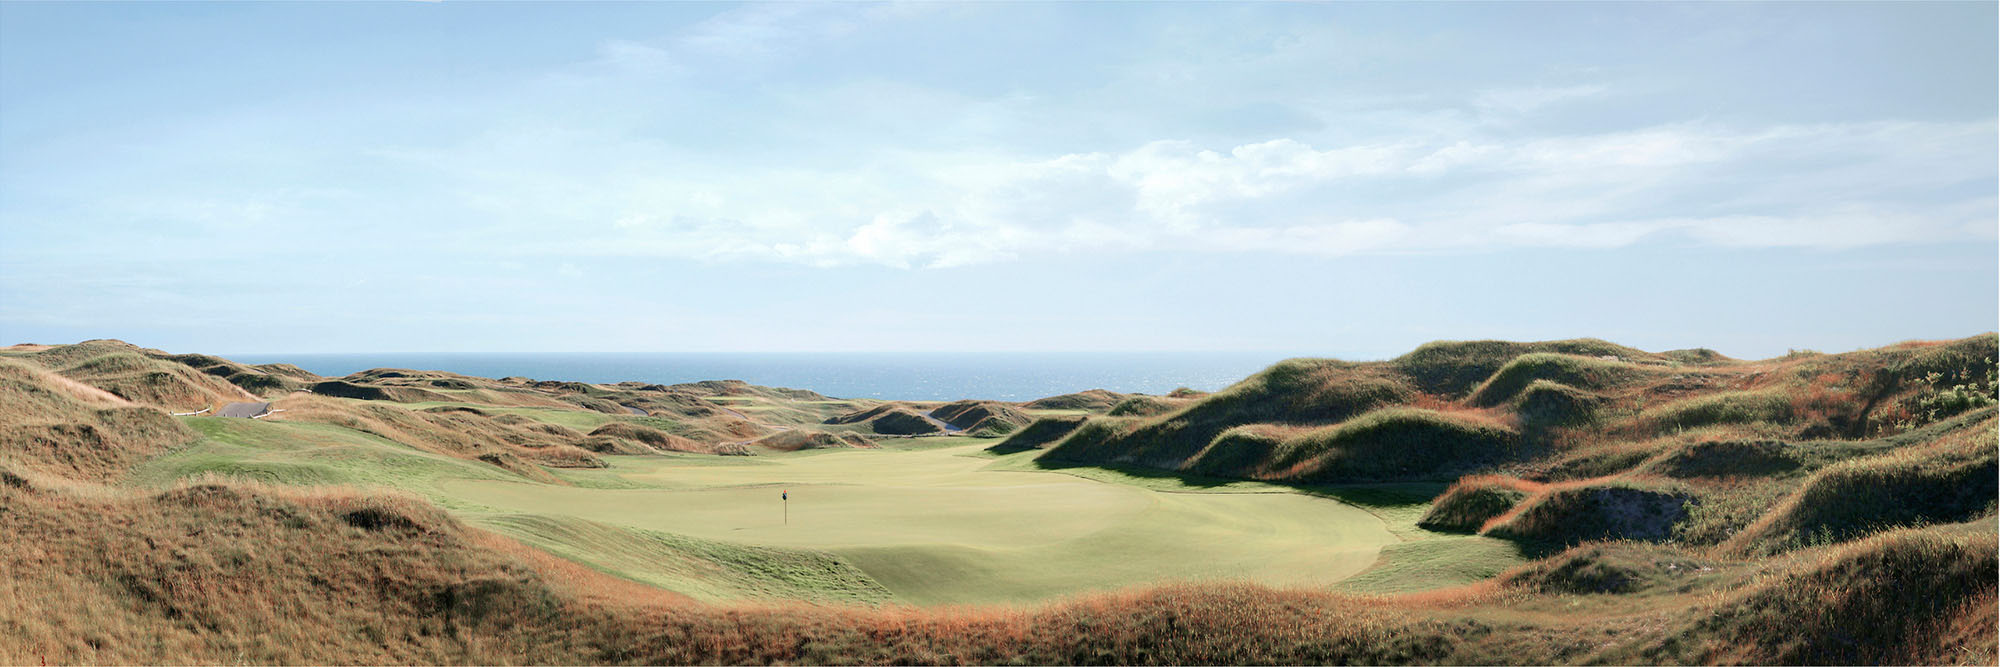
1286,196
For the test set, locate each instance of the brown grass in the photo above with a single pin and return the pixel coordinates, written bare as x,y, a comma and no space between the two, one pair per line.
227,571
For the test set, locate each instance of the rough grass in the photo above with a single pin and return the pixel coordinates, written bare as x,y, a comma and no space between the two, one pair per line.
132,374
1951,480
889,419
54,425
1740,407
1575,512
1832,509
1038,434
1507,383
1296,391
1090,400
1543,404
1474,500
1455,368
797,440
1886,600
1728,458
1145,406
212,572
985,418
1394,444
639,438
1242,451
1616,568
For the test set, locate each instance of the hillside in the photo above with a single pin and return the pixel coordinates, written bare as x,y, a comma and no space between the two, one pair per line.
982,417
1560,502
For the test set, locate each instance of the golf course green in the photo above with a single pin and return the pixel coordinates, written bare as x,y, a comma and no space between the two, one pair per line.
948,526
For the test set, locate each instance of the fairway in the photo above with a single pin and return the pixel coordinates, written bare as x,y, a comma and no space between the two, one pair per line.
938,526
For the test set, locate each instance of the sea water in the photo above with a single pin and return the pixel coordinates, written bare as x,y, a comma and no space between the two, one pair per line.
898,376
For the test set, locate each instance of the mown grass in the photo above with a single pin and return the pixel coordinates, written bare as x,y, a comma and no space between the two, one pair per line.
307,454
702,569
1801,538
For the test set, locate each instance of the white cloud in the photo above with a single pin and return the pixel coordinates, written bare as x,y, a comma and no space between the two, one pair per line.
1522,100
917,210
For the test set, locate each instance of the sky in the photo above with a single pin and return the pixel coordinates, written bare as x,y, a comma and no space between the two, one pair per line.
1343,180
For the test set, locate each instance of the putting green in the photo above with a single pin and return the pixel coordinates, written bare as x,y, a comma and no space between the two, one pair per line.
935,526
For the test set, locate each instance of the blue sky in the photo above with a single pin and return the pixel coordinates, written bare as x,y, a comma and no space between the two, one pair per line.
1328,179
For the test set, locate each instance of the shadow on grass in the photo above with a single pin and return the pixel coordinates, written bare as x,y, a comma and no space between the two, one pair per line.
1195,481
1409,497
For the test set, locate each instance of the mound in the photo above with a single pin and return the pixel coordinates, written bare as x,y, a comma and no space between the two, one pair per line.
640,439
1905,597
982,417
1297,391
1394,443
1041,433
1955,479
1094,400
1545,404
1611,567
130,373
1697,356
216,573
52,425
1454,368
1472,501
254,379
741,388
464,435
346,389
889,419
1736,407
1571,514
605,406
1727,458
796,440
1565,369
1142,405
563,456
1243,451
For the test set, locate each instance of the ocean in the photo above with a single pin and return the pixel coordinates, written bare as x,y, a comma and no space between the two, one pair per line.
897,376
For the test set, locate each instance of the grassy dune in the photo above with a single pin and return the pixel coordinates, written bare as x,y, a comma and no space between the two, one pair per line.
1603,504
